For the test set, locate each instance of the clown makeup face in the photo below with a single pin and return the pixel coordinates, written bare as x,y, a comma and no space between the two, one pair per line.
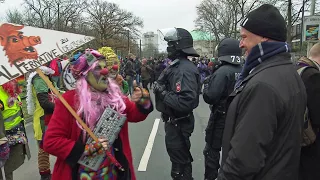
113,71
113,74
98,76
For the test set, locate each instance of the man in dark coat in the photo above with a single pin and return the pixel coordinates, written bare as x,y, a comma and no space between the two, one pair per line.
310,155
262,133
130,72
158,68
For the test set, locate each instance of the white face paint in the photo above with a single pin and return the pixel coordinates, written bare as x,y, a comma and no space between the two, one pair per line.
113,76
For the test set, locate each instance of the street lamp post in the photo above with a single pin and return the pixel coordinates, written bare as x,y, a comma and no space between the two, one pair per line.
301,26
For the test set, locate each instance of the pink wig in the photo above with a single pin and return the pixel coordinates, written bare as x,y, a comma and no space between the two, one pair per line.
93,103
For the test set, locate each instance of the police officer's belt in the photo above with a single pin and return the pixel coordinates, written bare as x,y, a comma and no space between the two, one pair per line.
175,120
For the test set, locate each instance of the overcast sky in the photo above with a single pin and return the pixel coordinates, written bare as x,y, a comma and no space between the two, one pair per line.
160,14
156,14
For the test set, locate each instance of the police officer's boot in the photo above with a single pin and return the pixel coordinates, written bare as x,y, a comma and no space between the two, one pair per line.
187,172
212,165
177,171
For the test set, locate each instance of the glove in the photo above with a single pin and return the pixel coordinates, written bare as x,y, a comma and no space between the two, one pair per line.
93,149
206,82
158,88
162,95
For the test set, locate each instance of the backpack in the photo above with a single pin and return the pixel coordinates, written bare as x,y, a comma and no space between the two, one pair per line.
308,134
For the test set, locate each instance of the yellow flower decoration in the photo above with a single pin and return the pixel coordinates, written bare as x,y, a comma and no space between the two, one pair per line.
110,55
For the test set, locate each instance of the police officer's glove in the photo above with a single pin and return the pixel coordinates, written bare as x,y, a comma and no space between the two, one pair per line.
206,82
158,88
162,95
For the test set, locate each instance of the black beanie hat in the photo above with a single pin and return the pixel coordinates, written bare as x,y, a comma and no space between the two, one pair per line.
266,21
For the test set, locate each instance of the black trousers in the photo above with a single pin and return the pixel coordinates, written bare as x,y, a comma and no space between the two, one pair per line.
177,140
309,162
213,138
145,84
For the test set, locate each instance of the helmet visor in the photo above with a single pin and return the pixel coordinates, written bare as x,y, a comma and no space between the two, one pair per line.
170,34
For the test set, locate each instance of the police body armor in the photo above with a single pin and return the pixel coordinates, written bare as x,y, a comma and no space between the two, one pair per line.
163,80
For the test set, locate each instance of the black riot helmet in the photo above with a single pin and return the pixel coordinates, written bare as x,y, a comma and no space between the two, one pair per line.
229,51
179,40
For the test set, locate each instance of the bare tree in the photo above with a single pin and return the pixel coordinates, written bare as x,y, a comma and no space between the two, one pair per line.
210,19
14,16
108,19
222,17
38,10
53,14
292,12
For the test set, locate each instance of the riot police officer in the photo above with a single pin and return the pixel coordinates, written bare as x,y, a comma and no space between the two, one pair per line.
217,88
177,94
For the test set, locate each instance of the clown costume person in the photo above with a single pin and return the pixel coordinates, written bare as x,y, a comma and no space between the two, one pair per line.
94,93
14,147
40,104
114,74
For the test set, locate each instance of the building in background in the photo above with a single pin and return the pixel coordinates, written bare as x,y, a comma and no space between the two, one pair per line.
296,35
203,43
150,38
150,44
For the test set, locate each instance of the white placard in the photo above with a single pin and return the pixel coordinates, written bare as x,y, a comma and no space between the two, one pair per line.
25,48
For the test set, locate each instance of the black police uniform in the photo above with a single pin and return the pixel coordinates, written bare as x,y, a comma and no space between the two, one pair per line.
177,94
217,88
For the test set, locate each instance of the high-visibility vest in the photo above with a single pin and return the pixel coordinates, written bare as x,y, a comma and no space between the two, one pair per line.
11,115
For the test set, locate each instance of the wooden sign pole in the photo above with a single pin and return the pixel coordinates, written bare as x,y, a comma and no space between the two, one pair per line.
65,103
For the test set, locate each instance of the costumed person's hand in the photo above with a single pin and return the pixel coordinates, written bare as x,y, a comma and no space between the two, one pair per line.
137,94
141,96
104,143
93,148
119,80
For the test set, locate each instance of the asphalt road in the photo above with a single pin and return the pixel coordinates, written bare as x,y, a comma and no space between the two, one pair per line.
157,166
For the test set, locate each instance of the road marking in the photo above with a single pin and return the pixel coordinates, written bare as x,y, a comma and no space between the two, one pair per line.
147,151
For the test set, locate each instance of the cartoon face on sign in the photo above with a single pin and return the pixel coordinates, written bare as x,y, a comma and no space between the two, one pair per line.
17,46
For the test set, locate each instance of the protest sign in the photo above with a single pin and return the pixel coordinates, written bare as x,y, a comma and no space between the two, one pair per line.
24,48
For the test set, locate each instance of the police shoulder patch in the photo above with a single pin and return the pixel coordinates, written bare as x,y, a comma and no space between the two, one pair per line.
178,86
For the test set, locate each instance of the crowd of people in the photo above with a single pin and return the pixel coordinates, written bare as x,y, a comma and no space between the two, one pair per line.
145,71
263,117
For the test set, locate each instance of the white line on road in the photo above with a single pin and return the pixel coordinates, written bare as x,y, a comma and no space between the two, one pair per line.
147,151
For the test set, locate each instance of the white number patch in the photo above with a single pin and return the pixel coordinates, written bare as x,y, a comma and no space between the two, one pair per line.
236,58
